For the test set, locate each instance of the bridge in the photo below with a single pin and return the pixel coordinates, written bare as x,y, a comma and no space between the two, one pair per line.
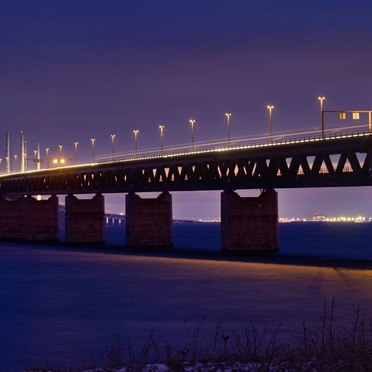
328,160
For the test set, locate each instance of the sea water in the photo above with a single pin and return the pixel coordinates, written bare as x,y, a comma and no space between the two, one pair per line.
339,240
62,306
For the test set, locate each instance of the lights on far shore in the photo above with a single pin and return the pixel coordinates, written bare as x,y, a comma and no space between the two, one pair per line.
356,219
340,219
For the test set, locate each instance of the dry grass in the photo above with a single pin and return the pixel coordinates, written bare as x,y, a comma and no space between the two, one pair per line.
325,346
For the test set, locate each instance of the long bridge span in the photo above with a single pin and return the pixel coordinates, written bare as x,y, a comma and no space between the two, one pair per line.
247,223
332,161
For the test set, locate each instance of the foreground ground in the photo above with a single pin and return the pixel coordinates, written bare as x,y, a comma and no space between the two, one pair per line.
63,307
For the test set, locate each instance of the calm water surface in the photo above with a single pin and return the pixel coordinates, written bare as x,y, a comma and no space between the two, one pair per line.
61,306
308,239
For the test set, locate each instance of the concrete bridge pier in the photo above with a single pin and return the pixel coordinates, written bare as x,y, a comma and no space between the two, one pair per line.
249,224
85,219
29,219
149,221
12,218
41,218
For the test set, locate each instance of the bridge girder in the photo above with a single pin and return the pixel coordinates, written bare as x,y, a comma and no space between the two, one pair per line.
337,162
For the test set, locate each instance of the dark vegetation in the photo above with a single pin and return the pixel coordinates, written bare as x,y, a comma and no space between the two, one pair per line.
323,346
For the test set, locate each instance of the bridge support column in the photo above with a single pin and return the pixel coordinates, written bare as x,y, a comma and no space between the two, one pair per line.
85,219
29,219
12,219
249,224
149,221
41,218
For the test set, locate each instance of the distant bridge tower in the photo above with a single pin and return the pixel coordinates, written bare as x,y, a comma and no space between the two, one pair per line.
7,153
25,147
23,152
38,159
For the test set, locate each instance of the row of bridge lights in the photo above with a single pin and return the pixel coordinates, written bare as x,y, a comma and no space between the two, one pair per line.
161,128
192,123
61,160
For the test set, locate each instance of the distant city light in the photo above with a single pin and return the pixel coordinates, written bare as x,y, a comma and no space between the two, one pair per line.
340,219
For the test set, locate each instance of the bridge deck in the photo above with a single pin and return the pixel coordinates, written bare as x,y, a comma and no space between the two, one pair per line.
339,160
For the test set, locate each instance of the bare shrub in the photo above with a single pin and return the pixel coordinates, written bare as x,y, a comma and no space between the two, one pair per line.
325,346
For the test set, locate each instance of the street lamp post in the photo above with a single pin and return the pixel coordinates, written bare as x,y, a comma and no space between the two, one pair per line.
135,132
38,157
25,158
1,159
47,155
35,158
76,144
228,114
93,140
161,127
321,99
60,151
192,123
270,108
113,136
15,162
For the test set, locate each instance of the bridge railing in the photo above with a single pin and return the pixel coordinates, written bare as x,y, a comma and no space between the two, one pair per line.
237,143
259,141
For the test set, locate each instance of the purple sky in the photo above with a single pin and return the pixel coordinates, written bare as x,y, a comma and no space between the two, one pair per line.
72,70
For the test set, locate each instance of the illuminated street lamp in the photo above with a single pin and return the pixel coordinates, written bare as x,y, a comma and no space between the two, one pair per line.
161,127
228,114
93,140
321,99
135,132
113,136
60,150
270,108
25,156
59,161
7,164
192,123
1,159
15,162
47,155
76,144
36,158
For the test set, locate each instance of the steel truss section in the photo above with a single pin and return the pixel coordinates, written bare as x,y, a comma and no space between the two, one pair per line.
341,162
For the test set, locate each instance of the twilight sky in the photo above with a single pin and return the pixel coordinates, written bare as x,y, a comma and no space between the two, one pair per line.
75,69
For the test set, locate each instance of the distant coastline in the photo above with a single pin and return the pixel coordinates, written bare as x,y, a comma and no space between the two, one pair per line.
339,219
119,218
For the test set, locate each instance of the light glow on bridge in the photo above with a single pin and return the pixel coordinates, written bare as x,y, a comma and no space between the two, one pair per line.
247,143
